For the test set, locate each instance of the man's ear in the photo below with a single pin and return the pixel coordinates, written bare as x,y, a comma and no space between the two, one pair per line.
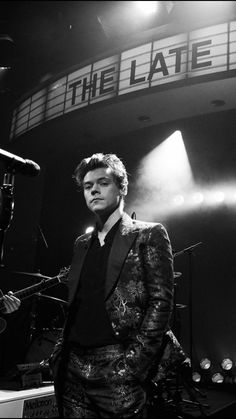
124,191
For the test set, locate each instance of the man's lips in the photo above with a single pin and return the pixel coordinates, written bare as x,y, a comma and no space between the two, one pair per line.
96,199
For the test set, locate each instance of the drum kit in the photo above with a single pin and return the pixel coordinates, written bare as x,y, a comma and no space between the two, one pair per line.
175,375
47,319
48,314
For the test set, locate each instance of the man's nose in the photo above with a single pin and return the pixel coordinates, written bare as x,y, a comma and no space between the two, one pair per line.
95,189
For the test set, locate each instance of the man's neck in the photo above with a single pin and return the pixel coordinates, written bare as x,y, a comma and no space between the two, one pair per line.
109,223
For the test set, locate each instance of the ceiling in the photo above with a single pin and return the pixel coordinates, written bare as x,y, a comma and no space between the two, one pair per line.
51,36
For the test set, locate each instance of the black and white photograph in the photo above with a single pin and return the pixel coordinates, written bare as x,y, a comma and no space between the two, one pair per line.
118,209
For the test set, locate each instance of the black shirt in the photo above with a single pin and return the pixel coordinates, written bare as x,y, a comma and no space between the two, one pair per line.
90,325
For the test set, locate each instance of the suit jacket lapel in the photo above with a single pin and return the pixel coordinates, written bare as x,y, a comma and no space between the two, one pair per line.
122,243
76,265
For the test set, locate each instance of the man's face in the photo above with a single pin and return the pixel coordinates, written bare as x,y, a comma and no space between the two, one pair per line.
101,193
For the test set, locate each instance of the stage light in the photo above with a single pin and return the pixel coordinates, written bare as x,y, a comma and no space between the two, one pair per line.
147,7
217,378
175,159
214,197
178,200
218,197
163,179
196,377
198,198
89,229
123,19
168,165
227,364
205,364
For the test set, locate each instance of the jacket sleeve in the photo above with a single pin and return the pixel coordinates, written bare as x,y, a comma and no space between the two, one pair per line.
158,270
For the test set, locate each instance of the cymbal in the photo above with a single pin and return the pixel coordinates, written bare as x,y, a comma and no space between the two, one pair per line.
48,297
37,274
177,274
180,305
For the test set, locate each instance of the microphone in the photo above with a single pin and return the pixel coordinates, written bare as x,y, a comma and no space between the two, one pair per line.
17,164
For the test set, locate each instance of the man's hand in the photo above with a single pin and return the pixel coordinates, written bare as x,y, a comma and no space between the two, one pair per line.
11,302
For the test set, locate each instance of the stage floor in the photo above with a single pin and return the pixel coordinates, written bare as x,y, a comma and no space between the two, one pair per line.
41,403
221,404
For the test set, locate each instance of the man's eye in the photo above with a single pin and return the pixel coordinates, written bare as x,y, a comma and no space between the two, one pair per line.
86,187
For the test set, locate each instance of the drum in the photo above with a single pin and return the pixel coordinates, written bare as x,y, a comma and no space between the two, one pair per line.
42,345
49,312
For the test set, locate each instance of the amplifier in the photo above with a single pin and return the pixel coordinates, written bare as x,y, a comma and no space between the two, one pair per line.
24,376
30,403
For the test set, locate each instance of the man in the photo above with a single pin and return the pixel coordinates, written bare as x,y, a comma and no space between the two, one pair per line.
120,301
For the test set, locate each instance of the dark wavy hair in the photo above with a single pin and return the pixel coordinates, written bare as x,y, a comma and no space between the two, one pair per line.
99,160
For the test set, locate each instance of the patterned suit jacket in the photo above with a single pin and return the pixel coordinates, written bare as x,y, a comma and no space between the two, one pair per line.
138,290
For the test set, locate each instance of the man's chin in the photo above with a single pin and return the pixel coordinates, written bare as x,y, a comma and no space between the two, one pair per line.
97,207
101,211
98,211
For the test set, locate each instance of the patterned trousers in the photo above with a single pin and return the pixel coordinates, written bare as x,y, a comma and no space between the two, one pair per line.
94,385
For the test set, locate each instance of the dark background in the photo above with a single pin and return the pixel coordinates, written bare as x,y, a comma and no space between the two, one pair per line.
49,207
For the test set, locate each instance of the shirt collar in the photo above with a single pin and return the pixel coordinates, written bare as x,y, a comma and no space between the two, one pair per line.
114,219
111,233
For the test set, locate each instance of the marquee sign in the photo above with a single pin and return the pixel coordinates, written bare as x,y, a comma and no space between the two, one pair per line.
184,56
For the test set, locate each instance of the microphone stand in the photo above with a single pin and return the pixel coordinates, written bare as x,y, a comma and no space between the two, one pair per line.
6,208
34,326
189,250
188,386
